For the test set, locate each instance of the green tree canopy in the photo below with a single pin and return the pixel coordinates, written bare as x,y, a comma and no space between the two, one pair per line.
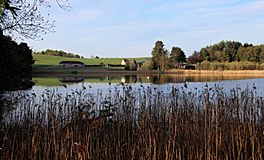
176,56
224,51
159,56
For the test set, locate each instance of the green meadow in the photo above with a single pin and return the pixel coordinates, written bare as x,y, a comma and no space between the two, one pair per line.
54,60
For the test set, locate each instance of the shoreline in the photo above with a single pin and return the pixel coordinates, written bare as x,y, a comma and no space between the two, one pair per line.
231,72
43,72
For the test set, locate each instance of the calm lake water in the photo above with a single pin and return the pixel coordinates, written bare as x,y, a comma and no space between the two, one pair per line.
100,87
104,83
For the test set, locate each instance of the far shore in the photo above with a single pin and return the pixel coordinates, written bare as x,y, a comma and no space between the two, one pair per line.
106,71
216,72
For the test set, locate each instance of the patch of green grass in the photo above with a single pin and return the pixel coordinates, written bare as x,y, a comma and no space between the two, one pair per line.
54,81
54,60
47,81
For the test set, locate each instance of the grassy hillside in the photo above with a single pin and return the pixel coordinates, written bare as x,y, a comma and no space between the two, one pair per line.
54,60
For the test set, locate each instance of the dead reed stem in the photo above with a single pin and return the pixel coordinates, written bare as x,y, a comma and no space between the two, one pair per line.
142,123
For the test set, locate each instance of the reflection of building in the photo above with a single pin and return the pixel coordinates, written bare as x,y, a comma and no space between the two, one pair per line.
71,79
123,79
129,79
71,64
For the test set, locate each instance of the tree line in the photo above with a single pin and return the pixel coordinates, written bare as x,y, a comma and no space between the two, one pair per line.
58,53
230,51
223,52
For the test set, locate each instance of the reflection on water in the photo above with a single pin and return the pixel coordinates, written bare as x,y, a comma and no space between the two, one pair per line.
105,86
141,78
104,83
70,79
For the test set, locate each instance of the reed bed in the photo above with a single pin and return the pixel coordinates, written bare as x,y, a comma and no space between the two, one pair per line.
135,123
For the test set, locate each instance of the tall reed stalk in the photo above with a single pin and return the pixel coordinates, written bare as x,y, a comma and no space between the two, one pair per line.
136,123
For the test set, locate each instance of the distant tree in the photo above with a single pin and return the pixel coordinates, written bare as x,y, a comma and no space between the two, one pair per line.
245,54
196,57
159,56
97,57
133,65
224,51
127,65
205,54
58,53
176,56
147,65
247,45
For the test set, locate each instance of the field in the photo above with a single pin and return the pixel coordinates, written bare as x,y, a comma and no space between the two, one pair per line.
54,60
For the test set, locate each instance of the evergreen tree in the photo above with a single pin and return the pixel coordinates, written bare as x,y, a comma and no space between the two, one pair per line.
176,56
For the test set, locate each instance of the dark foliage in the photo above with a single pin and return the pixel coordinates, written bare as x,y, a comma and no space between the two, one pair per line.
196,57
176,56
15,65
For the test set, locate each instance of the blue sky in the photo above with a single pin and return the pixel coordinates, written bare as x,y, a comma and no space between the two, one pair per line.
122,28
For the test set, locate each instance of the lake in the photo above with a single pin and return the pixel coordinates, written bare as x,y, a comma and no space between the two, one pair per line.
104,87
68,83
119,112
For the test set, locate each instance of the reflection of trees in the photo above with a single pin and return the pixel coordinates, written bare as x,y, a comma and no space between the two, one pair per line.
130,79
70,79
155,79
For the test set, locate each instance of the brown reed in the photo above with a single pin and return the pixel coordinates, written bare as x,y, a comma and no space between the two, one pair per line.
136,123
